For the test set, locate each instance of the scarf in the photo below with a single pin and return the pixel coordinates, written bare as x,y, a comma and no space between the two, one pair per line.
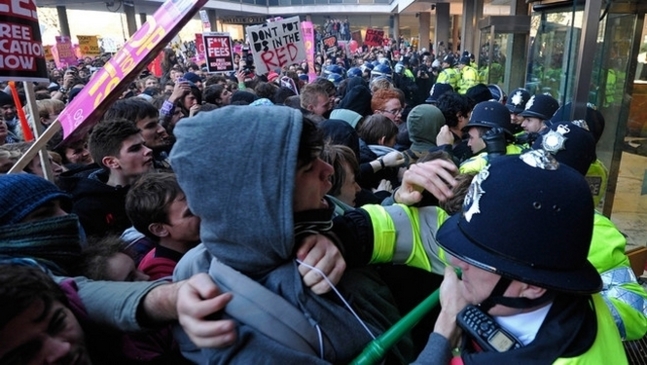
55,242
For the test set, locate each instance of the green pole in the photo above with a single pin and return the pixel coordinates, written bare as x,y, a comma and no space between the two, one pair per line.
376,349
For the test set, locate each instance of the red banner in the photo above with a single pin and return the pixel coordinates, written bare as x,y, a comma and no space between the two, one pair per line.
21,48
374,37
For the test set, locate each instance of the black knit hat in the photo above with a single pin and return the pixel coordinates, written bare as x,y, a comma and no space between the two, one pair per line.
21,194
6,99
540,106
479,93
437,91
548,211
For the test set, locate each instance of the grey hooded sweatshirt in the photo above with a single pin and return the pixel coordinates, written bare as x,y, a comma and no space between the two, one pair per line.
237,167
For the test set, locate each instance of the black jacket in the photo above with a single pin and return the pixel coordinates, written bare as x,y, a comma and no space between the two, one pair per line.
100,207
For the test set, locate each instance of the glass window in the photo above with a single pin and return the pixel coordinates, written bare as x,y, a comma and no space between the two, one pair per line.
554,44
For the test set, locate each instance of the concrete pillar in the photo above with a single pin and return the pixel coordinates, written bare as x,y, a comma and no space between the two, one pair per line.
468,31
515,68
478,15
64,24
142,19
424,20
455,32
395,26
211,13
131,20
442,28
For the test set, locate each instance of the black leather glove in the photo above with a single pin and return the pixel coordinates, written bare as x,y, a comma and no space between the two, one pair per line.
495,142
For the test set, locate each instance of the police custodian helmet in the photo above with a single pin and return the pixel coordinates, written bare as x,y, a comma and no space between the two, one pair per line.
548,210
490,114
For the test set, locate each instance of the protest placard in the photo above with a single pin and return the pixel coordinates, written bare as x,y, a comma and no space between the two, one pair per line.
357,37
206,24
106,85
276,44
309,42
330,45
89,45
21,50
64,52
218,52
48,53
199,48
374,37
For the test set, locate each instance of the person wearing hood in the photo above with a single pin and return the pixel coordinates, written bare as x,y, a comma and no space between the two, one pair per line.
252,226
424,123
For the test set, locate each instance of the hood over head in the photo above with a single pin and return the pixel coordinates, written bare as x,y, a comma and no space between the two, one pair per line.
424,123
232,189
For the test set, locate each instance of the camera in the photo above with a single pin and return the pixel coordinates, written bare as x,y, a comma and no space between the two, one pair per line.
248,57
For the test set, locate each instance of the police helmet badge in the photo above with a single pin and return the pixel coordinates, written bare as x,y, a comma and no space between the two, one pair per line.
540,159
474,194
530,102
517,98
554,140
582,124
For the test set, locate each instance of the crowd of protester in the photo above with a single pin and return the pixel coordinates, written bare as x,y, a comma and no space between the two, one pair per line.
192,172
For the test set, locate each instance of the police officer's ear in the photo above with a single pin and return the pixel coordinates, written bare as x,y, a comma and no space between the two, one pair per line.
530,291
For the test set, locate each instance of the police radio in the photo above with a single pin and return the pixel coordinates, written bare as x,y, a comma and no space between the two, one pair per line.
485,331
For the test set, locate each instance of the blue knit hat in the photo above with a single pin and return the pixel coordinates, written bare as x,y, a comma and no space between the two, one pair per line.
21,194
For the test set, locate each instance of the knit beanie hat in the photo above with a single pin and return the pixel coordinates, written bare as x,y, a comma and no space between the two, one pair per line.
5,99
21,194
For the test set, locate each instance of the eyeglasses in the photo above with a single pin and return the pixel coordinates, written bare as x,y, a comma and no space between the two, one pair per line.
392,111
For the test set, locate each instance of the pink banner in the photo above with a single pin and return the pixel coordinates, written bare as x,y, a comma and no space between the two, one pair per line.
309,42
66,56
106,85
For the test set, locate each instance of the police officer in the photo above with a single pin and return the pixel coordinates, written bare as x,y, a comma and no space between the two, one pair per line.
538,110
469,76
532,289
516,103
597,174
573,144
489,135
449,75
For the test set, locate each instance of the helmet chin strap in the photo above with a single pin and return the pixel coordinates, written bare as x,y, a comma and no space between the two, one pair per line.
496,297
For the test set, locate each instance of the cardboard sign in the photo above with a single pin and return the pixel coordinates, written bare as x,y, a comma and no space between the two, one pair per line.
21,49
218,52
309,42
89,45
106,85
374,37
330,44
65,52
206,24
277,44
199,49
48,53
